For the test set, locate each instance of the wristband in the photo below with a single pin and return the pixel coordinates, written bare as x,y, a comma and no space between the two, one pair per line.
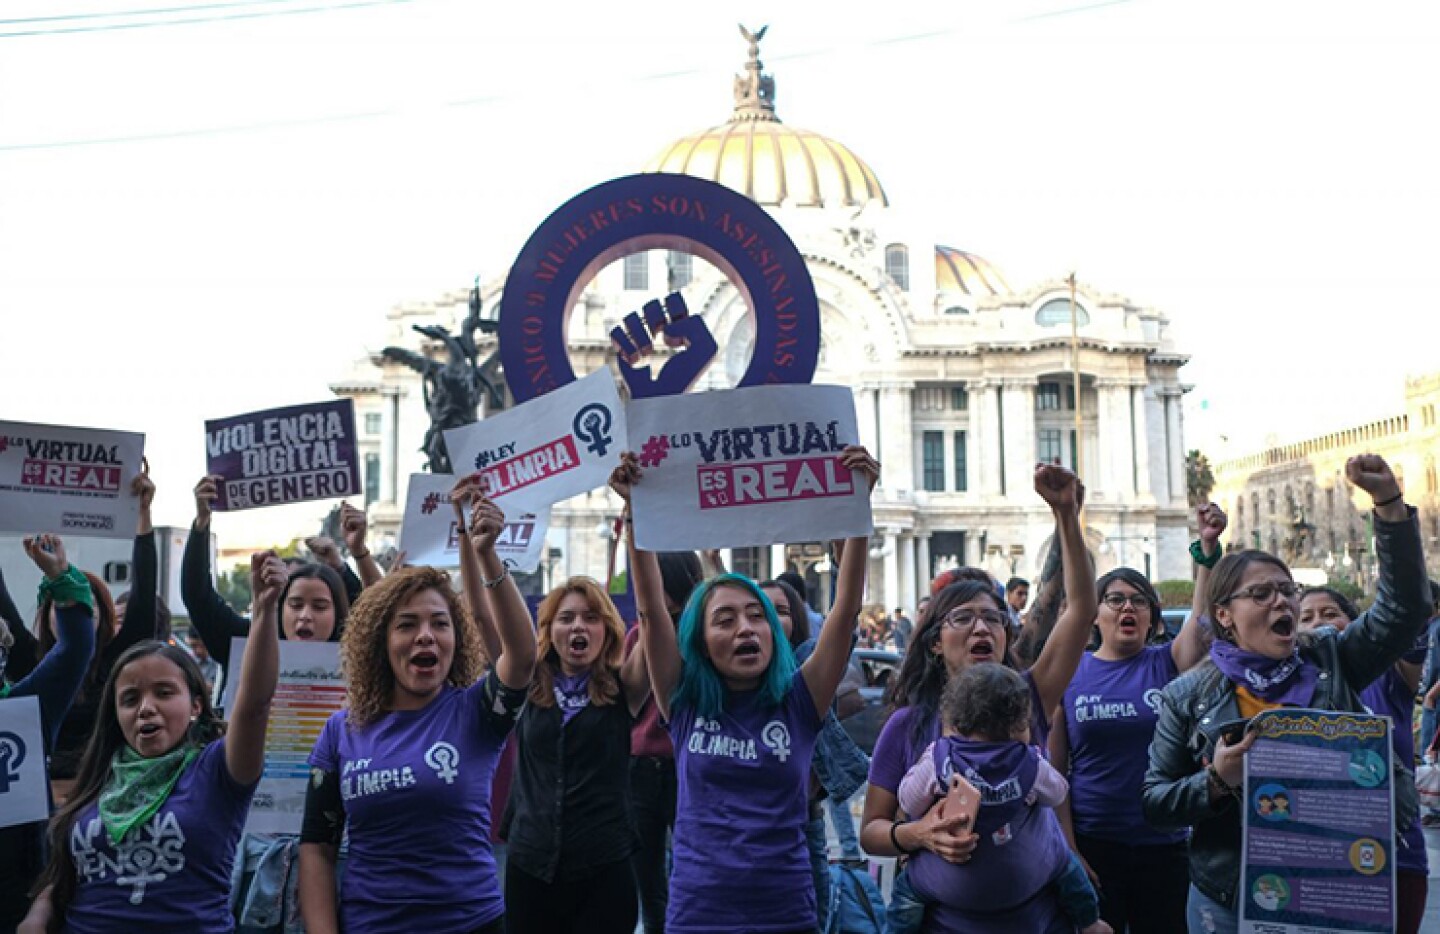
1394,499
895,841
492,584
358,556
70,587
1197,552
1220,783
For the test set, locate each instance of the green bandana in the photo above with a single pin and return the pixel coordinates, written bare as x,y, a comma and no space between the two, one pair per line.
138,786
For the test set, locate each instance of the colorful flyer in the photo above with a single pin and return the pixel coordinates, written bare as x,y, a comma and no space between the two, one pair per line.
749,466
428,532
69,481
24,791
311,688
288,455
545,450
1319,825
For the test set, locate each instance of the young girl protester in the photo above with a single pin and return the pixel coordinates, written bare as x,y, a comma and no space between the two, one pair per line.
54,682
968,625
1261,661
148,838
743,719
407,767
1391,695
1110,710
986,742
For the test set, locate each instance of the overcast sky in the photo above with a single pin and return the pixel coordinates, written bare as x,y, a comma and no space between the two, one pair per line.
199,220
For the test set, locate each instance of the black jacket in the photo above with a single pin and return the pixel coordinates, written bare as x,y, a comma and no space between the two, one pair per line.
1196,705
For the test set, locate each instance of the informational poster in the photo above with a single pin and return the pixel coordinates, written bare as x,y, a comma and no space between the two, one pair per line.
742,467
311,688
24,794
69,481
545,450
1319,825
288,455
428,533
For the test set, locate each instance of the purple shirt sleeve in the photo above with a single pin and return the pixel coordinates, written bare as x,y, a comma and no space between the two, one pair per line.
919,788
891,758
1050,786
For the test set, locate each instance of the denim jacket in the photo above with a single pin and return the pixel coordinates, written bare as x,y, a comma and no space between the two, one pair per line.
841,766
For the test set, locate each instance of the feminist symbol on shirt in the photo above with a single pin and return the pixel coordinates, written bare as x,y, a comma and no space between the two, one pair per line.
443,757
1152,700
776,736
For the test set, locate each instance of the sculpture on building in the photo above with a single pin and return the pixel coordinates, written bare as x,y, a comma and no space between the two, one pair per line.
453,389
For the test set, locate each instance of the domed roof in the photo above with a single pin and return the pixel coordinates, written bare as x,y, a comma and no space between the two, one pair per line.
767,161
966,273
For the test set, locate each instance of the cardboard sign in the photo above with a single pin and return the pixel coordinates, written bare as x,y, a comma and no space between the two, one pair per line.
24,792
69,481
1318,853
746,467
288,455
310,689
428,533
548,449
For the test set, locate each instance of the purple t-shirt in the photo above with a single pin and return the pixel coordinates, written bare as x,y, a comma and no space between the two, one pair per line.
1111,708
416,787
172,873
740,860
1388,696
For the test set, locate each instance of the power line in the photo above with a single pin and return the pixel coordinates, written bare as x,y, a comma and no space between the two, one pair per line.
123,14
190,21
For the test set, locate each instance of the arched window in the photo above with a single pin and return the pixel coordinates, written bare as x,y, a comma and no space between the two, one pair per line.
1057,311
1270,501
957,310
897,265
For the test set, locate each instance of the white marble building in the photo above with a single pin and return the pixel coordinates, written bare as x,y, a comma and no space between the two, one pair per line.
962,381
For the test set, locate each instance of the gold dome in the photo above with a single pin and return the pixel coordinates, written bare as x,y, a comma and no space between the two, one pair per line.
958,271
768,162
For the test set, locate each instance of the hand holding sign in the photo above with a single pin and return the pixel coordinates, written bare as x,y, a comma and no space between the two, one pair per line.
267,579
858,460
143,487
486,523
48,553
207,491
625,475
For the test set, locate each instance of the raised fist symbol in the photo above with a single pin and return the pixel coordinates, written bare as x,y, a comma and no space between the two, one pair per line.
635,337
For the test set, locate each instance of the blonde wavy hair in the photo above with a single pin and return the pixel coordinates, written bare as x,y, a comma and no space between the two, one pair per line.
605,675
364,656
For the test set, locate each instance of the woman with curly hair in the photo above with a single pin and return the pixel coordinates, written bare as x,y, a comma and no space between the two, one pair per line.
744,720
407,766
570,827
147,840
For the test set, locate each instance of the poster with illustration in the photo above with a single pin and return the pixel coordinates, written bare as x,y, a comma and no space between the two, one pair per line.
24,787
1319,825
741,467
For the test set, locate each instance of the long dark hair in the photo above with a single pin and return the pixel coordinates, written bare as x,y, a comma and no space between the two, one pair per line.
338,597
106,739
1143,588
922,676
799,619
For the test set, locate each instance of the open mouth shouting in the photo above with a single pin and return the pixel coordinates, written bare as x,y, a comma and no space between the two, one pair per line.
1283,627
748,652
425,662
578,644
1127,625
982,648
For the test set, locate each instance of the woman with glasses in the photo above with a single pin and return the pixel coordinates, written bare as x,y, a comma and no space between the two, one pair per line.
968,625
1260,661
1110,709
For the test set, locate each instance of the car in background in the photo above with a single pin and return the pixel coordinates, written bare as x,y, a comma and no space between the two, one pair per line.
870,671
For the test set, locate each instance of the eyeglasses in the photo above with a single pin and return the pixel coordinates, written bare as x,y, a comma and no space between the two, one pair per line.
966,619
1117,601
1265,593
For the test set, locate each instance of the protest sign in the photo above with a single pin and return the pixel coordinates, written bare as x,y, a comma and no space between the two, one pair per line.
750,466
286,455
24,791
70,481
545,450
428,533
1319,825
310,689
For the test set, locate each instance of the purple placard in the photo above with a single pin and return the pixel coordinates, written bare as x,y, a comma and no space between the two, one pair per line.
288,455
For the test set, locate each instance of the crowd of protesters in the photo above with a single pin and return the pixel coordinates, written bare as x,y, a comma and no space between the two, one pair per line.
672,771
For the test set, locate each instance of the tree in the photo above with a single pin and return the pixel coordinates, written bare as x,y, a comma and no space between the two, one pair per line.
1199,478
234,586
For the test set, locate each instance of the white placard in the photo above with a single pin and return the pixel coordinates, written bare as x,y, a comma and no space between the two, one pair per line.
545,450
24,796
310,689
428,533
70,481
741,467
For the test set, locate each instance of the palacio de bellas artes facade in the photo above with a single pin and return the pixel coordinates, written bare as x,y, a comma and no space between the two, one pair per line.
962,380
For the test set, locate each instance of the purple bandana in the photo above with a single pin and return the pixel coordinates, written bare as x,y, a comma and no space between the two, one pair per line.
1288,681
572,693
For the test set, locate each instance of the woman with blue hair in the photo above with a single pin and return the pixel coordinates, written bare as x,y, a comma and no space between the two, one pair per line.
744,718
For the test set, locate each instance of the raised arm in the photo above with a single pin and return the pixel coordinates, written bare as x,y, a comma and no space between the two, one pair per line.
465,489
259,672
1190,646
1401,609
826,665
355,526
24,647
515,664
139,623
657,631
1052,671
213,618
58,676
1044,612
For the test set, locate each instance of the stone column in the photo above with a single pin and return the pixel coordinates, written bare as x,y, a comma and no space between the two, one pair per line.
1018,441
898,454
985,448
922,561
777,560
1117,459
892,569
1175,447
389,446
1141,448
865,418
907,573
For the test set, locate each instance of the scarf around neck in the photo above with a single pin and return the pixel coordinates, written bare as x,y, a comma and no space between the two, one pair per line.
572,694
139,786
1289,681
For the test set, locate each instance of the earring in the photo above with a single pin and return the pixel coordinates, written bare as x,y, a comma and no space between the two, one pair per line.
194,717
